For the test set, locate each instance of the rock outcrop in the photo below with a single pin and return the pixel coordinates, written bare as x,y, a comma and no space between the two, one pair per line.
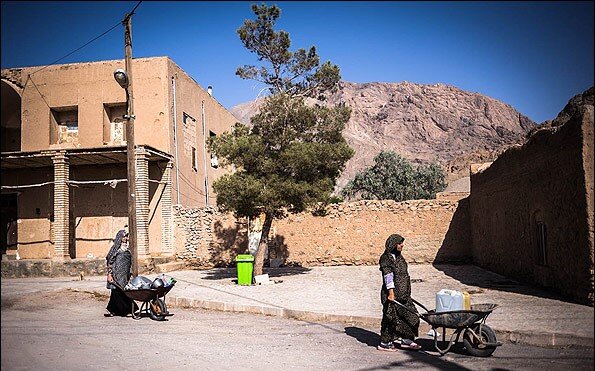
575,105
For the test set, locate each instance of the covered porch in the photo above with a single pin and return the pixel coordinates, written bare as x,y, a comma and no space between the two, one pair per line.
68,204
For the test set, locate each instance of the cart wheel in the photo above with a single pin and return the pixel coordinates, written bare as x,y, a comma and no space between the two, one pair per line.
157,310
473,346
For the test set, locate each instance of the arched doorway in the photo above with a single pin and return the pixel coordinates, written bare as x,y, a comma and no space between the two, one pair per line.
10,122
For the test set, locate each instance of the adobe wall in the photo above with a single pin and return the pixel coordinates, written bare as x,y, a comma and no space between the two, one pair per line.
34,212
351,233
544,180
191,127
97,211
89,86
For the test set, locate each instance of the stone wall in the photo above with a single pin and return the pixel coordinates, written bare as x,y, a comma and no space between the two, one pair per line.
206,237
531,210
349,234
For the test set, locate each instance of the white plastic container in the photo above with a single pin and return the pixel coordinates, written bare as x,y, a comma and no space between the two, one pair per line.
448,300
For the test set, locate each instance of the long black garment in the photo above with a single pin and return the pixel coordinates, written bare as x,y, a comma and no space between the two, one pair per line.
119,263
397,321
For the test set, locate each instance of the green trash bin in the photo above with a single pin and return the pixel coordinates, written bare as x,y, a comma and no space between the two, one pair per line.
245,265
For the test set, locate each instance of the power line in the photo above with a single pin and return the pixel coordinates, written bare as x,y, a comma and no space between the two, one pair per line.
77,49
132,11
72,52
89,42
36,88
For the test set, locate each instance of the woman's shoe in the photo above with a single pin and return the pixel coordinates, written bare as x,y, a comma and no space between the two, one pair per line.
407,344
387,347
109,314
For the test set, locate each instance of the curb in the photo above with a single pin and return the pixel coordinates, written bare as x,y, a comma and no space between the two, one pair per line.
547,340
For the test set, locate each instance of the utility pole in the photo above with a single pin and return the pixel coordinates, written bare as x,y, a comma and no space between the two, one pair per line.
130,146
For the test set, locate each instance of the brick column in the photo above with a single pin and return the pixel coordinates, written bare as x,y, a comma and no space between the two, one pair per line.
142,202
61,205
166,212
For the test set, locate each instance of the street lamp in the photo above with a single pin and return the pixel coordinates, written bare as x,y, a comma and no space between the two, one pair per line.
122,78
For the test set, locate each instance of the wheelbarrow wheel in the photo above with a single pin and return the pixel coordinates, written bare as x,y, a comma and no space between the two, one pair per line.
157,310
474,346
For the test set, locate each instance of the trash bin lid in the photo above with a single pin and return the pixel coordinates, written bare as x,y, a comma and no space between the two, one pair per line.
244,258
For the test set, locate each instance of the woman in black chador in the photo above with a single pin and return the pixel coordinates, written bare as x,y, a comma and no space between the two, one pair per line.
119,261
399,326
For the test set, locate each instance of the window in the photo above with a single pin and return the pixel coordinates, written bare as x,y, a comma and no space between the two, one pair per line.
541,243
540,238
194,159
64,125
214,160
114,123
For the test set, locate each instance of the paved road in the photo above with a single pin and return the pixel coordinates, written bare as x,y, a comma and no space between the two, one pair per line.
350,294
66,330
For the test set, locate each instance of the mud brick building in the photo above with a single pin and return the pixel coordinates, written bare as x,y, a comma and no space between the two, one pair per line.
63,156
532,208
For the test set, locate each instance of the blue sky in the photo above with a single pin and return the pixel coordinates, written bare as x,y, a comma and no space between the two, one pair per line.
532,55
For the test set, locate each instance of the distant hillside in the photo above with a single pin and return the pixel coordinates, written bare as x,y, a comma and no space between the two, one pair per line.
424,123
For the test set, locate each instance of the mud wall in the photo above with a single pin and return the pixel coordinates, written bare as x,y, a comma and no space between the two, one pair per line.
532,210
349,234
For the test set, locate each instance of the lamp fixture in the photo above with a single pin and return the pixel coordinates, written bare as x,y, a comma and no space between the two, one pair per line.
121,77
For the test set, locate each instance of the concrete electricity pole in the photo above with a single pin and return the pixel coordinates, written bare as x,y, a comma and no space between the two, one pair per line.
130,146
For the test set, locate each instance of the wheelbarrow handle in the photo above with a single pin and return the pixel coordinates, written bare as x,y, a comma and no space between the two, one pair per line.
411,311
420,304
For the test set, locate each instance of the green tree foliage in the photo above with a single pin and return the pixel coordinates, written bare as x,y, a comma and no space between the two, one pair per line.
392,177
295,74
291,155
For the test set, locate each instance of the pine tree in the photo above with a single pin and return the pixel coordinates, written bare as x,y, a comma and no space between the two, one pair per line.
292,153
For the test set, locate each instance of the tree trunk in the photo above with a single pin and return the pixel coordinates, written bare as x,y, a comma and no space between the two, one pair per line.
262,245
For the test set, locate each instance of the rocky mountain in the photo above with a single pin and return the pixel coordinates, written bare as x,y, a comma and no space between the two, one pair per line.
424,123
575,104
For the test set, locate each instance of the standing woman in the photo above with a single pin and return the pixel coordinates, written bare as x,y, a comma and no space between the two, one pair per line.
399,326
119,262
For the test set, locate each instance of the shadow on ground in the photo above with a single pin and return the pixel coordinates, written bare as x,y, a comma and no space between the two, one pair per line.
232,273
427,355
475,276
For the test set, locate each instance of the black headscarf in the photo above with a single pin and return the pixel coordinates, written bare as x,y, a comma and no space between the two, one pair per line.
117,243
392,241
119,260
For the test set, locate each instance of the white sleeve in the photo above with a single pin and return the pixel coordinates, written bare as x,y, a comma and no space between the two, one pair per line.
389,280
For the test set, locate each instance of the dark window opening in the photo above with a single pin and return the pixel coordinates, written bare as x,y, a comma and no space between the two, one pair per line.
214,160
194,159
64,125
114,123
541,244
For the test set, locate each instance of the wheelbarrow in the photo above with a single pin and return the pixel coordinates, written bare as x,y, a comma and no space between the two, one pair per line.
479,339
153,302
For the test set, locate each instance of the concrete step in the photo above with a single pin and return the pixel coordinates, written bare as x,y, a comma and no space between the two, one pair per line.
169,267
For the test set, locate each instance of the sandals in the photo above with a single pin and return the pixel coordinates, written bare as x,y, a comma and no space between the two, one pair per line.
387,347
408,344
